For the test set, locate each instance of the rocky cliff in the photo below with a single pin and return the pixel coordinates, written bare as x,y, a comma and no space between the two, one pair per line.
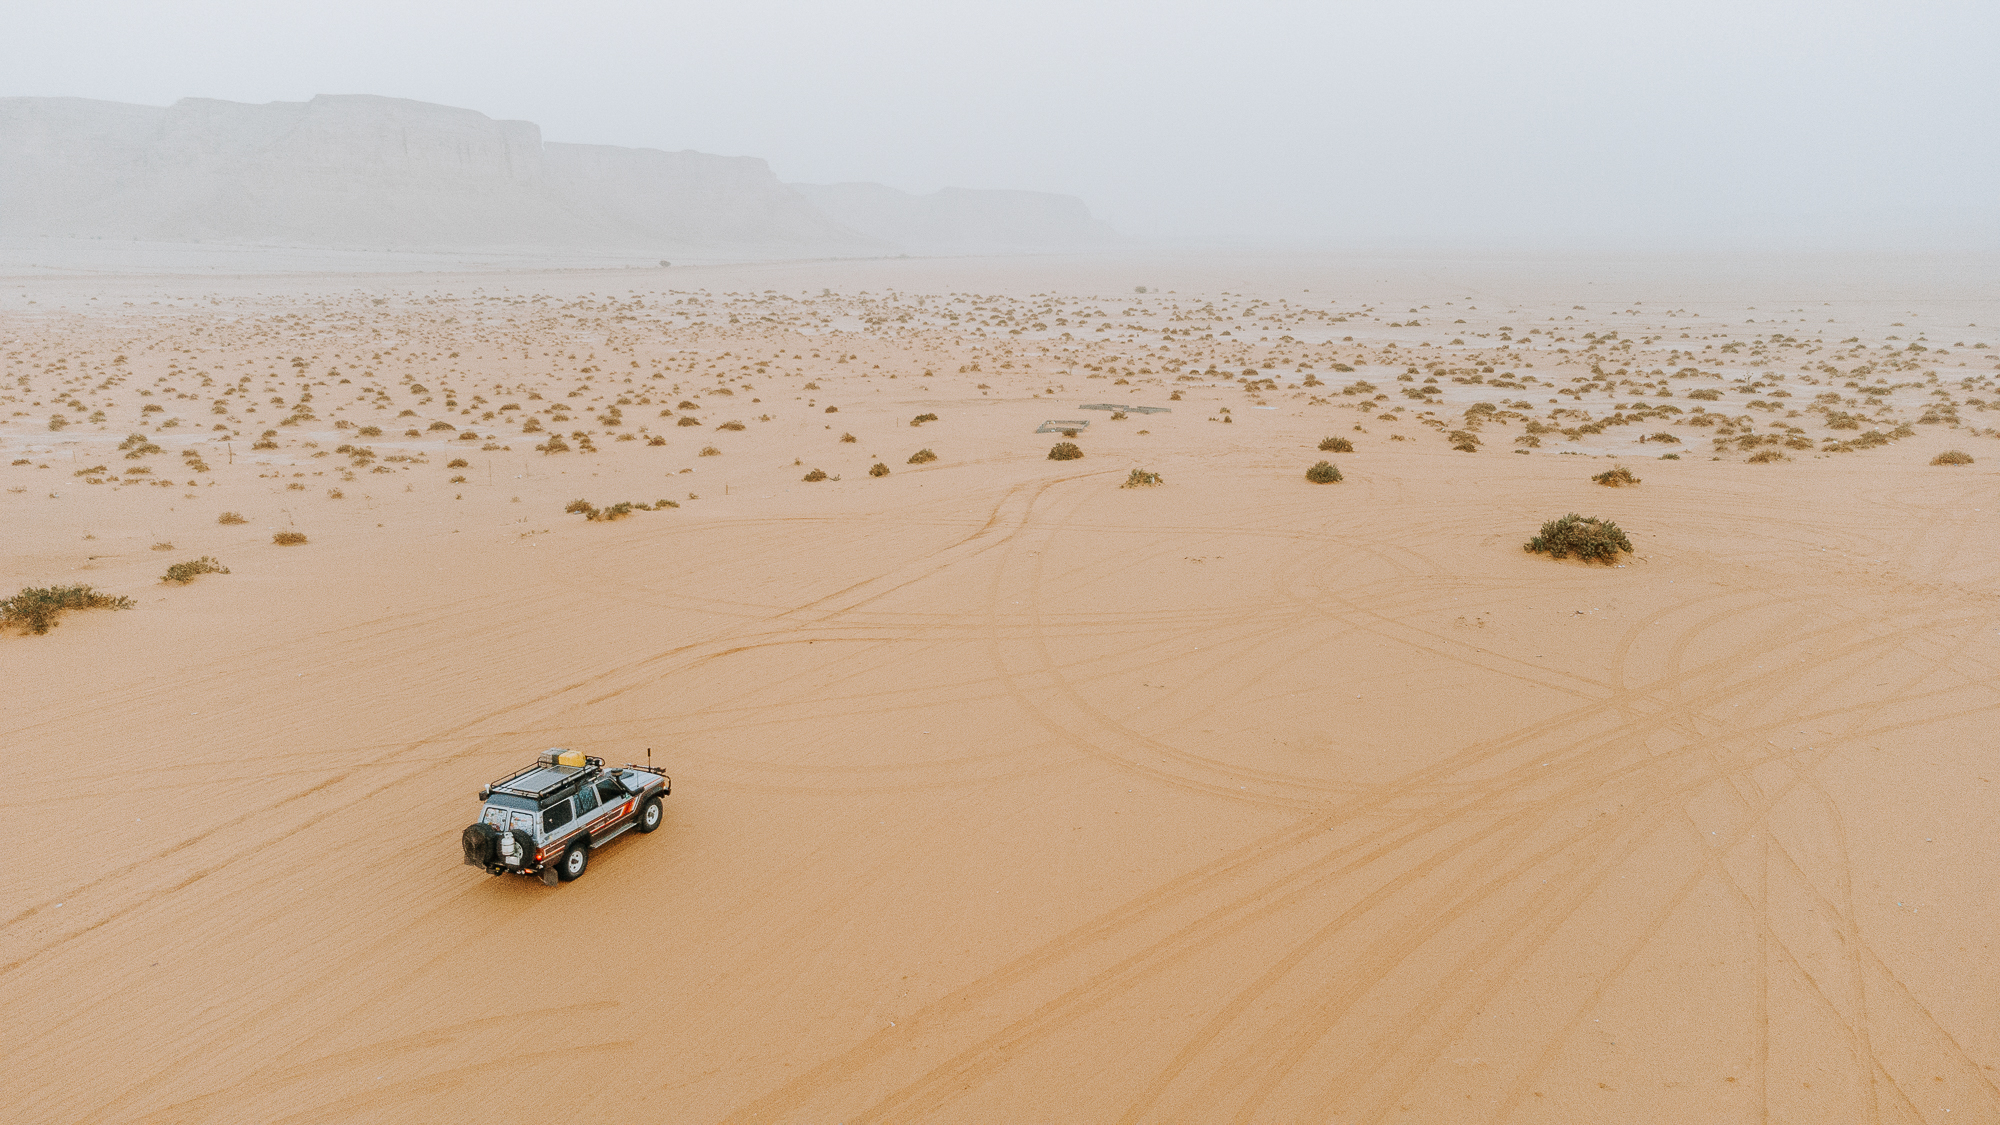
357,171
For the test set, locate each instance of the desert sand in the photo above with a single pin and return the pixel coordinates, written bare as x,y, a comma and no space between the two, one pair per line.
1002,792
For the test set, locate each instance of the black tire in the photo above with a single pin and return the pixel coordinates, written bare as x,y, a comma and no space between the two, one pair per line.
650,815
480,843
574,862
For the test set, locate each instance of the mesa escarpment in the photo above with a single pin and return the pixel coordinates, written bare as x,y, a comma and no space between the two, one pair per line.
366,172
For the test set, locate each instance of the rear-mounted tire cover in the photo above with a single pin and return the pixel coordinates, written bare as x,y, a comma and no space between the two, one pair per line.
481,842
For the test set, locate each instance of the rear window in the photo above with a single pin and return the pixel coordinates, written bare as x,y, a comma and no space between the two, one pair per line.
556,815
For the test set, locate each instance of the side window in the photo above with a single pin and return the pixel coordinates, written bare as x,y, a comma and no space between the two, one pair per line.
555,816
495,816
586,800
610,790
524,821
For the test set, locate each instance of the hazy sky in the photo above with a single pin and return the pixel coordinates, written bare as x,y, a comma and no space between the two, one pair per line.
1688,124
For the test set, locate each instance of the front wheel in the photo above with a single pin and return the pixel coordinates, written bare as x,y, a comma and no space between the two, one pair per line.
574,861
649,815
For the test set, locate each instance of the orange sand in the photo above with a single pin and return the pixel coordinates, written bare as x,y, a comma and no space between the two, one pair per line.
1002,793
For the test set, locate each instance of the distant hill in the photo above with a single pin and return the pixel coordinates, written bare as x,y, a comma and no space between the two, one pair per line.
364,172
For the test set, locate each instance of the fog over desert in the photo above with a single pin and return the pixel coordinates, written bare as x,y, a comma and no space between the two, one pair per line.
1108,673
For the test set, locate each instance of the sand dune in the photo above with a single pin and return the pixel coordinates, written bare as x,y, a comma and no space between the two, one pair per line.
1004,793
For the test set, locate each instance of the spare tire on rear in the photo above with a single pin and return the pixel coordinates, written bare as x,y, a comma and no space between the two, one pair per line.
481,842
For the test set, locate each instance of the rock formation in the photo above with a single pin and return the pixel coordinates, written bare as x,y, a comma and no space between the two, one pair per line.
364,172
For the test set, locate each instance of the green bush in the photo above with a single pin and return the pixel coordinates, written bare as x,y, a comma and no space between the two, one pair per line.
1587,539
35,609
1065,451
1140,478
1336,445
1616,477
1323,473
185,572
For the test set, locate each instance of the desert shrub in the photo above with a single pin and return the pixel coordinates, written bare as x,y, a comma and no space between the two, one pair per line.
833,410
262,443
1336,445
1323,473
1587,539
616,511
1065,451
335,494
814,476
659,504
685,420
1616,477
922,418
449,426
460,479
230,517
921,456
184,572
1952,457
1664,438
1140,478
1118,415
709,451
1766,457
656,440
848,438
583,507
370,431
555,444
457,463
289,538
163,546
730,426
35,608
878,470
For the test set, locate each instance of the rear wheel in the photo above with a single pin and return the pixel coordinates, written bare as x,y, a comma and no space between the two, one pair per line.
649,815
570,868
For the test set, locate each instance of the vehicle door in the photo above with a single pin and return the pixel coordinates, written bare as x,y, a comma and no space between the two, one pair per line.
590,809
616,803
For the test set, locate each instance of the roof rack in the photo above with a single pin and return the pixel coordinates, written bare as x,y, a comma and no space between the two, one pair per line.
544,778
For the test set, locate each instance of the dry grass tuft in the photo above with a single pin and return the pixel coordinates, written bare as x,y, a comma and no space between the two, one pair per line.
289,538
1952,457
1323,473
878,470
730,426
814,476
849,438
1766,457
709,451
1587,539
35,609
185,572
1065,451
1616,477
1336,445
230,517
921,456
1140,478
